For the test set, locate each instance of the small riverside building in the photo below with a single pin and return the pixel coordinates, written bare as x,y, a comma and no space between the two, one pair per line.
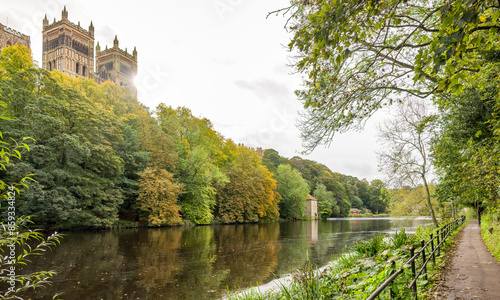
311,210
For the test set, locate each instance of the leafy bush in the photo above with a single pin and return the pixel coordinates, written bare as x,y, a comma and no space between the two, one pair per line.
18,236
371,246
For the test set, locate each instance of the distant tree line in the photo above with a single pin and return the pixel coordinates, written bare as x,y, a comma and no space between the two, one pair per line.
336,193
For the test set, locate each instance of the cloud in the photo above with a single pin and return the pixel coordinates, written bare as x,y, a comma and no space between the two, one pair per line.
265,89
221,61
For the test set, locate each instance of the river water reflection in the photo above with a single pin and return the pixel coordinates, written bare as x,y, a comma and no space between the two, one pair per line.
199,262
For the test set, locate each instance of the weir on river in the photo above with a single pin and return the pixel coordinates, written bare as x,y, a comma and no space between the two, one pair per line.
202,262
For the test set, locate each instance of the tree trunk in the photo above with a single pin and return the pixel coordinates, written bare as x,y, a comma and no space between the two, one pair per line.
453,212
478,211
429,204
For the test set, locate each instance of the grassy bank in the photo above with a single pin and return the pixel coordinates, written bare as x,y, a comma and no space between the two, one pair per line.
490,231
359,272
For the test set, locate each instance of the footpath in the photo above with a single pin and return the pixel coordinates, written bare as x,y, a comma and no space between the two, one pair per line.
474,273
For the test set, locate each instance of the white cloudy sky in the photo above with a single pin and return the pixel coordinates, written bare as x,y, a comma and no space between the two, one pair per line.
220,58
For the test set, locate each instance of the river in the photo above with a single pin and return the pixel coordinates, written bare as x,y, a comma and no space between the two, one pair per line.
202,262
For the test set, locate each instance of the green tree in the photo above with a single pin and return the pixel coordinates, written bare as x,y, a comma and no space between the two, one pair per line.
271,159
293,190
86,155
358,56
466,153
17,242
327,205
200,157
410,201
378,198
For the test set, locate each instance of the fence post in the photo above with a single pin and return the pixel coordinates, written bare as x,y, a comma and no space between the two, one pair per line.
392,294
412,253
432,249
422,242
437,236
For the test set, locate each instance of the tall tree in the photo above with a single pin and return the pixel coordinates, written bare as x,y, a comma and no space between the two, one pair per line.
466,153
327,205
293,190
157,200
407,139
251,193
358,56
199,151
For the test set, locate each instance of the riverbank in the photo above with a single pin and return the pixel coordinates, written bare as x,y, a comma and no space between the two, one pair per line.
368,216
357,273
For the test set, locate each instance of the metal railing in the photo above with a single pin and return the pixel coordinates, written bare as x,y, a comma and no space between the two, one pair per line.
441,236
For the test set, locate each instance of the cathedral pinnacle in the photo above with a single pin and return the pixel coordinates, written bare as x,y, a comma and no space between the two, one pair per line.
65,14
115,42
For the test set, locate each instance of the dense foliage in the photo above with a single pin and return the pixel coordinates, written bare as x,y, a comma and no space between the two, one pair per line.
100,156
102,159
466,152
18,243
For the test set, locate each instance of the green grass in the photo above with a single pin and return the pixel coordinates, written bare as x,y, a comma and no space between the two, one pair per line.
490,230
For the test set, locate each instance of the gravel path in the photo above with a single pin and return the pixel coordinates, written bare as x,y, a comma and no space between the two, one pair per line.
474,272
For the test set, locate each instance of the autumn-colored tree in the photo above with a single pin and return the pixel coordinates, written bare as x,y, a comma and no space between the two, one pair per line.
251,193
158,194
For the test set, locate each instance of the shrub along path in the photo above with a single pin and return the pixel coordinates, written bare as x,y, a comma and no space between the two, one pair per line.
474,273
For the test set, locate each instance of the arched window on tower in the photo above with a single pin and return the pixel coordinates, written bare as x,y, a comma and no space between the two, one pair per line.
50,66
83,70
77,68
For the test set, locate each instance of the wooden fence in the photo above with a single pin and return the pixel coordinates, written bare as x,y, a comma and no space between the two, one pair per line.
440,237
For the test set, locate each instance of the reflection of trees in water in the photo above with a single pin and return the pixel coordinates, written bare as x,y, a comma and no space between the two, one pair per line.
207,258
156,253
194,263
248,252
89,266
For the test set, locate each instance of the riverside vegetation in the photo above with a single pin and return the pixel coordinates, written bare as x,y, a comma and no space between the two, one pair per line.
358,272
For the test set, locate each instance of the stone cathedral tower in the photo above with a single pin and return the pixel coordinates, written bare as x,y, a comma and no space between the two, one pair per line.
68,47
116,65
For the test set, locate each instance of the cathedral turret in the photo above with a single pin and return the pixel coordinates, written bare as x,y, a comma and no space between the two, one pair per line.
115,42
45,21
134,54
97,48
65,14
91,29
